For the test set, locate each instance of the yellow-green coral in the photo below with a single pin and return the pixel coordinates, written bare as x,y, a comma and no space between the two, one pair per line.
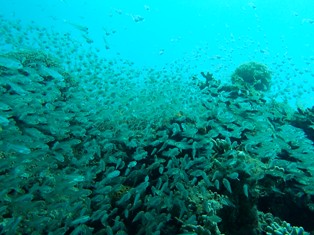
252,75
28,57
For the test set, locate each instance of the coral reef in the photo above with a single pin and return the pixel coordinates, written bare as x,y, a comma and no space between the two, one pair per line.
252,75
274,226
94,146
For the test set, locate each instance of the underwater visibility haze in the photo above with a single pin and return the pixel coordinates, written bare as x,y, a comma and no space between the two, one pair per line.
157,117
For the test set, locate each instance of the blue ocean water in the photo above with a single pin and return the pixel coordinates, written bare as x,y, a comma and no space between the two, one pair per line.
213,36
156,117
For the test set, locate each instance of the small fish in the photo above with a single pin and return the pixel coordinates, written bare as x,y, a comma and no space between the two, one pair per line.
251,4
4,121
137,18
118,11
77,26
308,20
10,63
19,148
107,47
107,33
87,39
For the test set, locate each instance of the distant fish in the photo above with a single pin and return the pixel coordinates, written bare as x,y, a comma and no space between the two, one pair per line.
137,18
295,14
263,51
87,39
251,4
307,20
107,32
77,26
107,47
118,11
